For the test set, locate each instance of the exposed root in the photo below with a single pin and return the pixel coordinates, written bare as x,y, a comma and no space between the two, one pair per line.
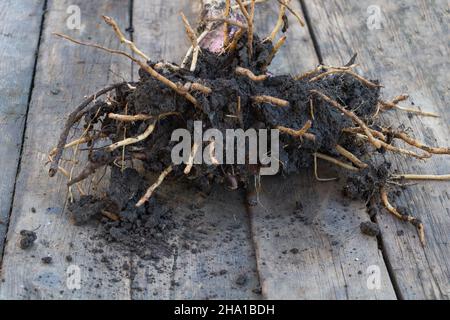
317,175
391,148
351,115
272,100
296,133
409,140
226,34
274,52
129,118
194,41
247,73
424,177
190,162
110,21
152,189
72,119
346,71
249,17
335,161
197,87
67,175
74,143
311,109
393,105
404,217
246,3
237,36
350,156
89,170
191,49
294,13
278,25
228,21
110,215
129,141
375,133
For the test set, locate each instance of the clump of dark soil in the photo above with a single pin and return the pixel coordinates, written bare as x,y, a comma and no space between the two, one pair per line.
143,231
47,260
27,239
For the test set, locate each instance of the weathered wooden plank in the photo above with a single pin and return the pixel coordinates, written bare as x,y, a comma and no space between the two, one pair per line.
309,245
18,45
212,250
321,257
409,53
65,73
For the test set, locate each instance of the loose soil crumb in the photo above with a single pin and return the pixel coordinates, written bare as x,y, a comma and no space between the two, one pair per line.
47,260
27,239
370,228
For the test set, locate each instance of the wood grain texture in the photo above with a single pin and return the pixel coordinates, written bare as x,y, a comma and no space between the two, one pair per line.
213,255
409,53
18,48
309,244
65,73
328,249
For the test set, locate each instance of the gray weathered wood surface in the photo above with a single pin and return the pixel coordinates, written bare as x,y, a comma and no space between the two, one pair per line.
312,251
18,49
410,54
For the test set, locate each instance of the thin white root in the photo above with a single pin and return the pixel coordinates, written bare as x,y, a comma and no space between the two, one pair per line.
432,177
317,175
133,140
129,118
335,161
152,189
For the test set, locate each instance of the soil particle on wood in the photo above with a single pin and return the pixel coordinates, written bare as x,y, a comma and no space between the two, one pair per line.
27,239
370,228
47,260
